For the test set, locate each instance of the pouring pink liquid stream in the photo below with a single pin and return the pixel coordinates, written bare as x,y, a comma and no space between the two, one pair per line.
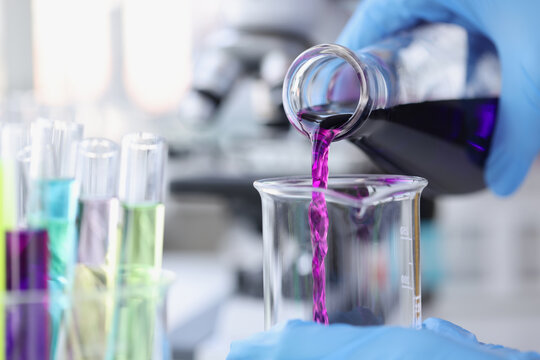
321,137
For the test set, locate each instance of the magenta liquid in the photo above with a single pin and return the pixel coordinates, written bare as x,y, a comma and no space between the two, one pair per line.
27,322
321,136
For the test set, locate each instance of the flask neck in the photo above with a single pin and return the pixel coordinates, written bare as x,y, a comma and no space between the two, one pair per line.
330,87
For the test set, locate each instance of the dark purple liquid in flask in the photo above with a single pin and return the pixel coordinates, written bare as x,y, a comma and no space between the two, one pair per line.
447,142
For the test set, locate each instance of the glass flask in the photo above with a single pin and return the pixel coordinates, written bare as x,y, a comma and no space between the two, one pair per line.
373,259
408,102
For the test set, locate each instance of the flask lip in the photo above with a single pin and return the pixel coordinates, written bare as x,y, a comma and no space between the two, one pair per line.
292,84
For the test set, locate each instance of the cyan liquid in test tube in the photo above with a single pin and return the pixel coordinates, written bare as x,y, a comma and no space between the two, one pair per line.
53,203
27,329
140,248
89,323
54,192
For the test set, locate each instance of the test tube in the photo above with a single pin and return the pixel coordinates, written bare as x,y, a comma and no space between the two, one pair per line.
89,323
53,204
142,175
27,325
99,207
142,172
54,192
4,223
7,186
7,209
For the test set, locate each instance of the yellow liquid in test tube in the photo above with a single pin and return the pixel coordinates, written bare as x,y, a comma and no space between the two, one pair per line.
7,222
140,254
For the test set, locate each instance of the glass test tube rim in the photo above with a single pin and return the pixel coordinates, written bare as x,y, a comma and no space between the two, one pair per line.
389,188
71,127
93,152
13,129
67,125
57,124
49,139
135,147
143,141
110,147
15,152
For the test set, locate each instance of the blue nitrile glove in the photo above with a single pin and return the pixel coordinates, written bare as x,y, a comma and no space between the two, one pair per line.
513,27
437,340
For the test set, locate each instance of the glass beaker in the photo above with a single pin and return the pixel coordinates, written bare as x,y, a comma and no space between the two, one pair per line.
373,259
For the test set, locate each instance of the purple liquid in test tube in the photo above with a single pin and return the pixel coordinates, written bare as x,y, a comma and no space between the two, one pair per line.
97,172
28,322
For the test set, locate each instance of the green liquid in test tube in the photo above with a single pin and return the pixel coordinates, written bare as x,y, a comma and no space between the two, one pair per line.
53,204
142,236
140,248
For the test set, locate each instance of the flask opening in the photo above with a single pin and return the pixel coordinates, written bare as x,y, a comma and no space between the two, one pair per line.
325,88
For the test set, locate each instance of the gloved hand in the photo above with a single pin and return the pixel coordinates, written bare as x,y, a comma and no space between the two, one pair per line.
513,27
437,340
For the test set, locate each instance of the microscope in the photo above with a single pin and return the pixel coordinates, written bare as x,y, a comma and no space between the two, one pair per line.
231,125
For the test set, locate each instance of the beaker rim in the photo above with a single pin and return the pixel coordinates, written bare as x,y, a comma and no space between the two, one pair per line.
381,188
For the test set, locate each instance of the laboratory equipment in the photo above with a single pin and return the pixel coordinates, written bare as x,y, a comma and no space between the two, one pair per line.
15,241
372,268
418,90
72,344
54,192
140,249
142,181
97,171
515,145
256,42
98,221
53,202
5,200
13,138
7,195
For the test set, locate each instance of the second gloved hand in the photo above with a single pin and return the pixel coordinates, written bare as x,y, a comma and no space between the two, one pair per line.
438,339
